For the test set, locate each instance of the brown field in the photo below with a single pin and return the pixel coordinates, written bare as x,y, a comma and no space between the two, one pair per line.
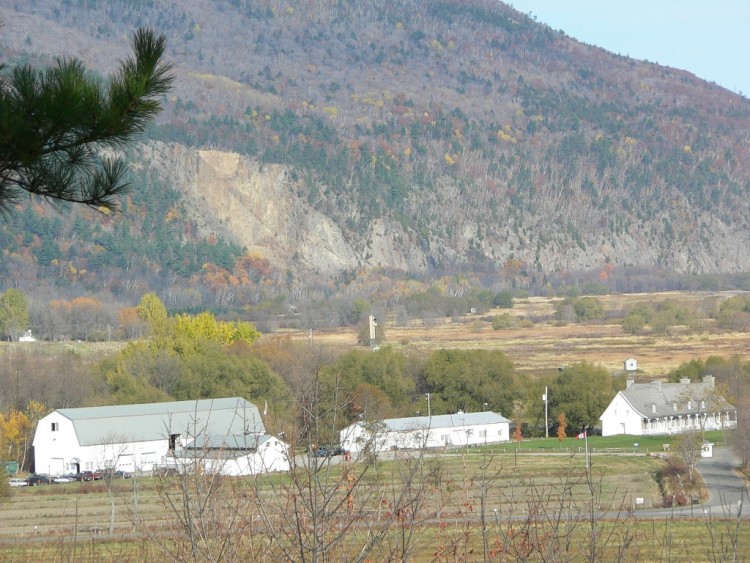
545,344
540,344
545,496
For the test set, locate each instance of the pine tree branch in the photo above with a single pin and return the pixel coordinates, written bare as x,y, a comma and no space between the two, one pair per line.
54,123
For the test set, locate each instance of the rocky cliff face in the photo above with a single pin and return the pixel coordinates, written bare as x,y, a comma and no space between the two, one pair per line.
258,206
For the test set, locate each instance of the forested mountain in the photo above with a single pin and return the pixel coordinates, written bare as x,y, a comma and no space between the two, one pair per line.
326,148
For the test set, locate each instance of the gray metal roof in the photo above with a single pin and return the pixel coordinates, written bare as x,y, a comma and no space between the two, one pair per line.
443,421
657,399
156,421
228,442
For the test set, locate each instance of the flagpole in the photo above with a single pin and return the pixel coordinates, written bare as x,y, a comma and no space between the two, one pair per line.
586,438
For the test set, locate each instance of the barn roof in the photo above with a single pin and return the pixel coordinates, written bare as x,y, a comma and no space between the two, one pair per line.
657,399
157,421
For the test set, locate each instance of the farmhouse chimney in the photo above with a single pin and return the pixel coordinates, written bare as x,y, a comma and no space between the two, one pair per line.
630,382
709,380
685,380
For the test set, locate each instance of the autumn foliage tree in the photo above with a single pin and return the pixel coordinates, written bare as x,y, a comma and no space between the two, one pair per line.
152,311
562,424
14,313
188,357
518,431
14,432
17,429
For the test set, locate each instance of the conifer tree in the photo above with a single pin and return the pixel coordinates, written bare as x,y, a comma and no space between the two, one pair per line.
55,123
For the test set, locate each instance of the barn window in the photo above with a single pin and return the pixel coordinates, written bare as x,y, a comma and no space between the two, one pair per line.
173,441
55,426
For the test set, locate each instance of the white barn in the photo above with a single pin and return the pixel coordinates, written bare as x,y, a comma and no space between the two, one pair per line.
644,409
460,429
142,437
233,455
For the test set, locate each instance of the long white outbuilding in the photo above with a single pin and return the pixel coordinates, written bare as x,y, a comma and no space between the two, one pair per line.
445,430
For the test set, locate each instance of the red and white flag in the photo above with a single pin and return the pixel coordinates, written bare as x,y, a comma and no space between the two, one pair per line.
582,435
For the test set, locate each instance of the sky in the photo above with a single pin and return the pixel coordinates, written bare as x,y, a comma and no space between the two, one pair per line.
710,38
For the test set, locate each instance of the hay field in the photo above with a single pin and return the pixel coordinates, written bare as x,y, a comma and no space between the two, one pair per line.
541,344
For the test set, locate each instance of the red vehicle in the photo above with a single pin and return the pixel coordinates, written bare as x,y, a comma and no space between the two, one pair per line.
91,475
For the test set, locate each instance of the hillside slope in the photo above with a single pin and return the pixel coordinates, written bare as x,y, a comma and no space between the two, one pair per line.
331,136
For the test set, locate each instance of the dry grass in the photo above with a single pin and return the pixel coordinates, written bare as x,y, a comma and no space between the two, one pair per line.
546,345
526,493
514,482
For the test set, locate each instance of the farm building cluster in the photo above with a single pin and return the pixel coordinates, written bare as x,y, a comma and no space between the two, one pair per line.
228,435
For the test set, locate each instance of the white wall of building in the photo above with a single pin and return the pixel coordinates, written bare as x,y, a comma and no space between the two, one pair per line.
57,451
272,456
379,437
620,418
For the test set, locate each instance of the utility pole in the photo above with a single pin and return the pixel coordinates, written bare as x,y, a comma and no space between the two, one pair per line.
546,419
429,406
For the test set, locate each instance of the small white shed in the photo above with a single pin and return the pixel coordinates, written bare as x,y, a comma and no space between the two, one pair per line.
631,364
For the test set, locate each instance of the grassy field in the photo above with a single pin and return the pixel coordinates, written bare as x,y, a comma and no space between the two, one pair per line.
470,500
543,345
536,506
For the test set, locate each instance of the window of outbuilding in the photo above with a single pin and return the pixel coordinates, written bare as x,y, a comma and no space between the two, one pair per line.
55,426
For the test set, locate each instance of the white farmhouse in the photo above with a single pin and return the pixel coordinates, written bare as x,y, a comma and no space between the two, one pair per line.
229,432
460,429
644,409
